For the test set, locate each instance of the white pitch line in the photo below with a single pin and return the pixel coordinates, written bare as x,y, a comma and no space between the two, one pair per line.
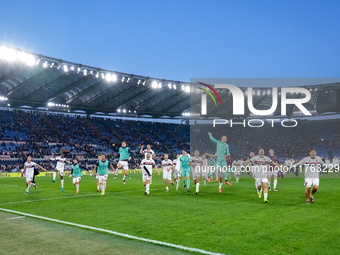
181,247
54,198
14,218
9,185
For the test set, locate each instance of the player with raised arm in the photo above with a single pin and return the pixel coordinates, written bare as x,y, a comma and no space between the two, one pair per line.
271,171
101,172
29,171
124,157
167,167
77,173
312,166
146,166
183,165
147,150
222,153
260,168
176,172
60,167
196,166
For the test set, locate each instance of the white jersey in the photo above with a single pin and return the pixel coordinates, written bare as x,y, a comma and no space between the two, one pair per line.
147,165
166,164
312,166
196,161
61,162
205,163
335,162
237,167
287,162
260,166
30,167
151,152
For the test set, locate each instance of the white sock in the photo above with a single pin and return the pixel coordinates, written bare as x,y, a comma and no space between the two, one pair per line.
116,171
204,182
62,183
220,186
265,195
77,186
167,188
197,186
147,188
275,184
124,177
103,186
54,175
177,184
28,187
268,184
97,187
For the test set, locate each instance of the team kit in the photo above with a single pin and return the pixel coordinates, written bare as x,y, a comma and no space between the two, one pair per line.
205,167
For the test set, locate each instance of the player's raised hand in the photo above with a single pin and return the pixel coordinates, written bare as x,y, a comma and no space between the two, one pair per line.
142,146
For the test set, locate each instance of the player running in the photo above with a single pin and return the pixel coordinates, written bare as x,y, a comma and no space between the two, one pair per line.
183,165
196,166
77,173
167,167
260,168
176,172
146,166
237,167
101,172
211,164
29,170
271,171
222,152
205,169
60,167
124,157
312,164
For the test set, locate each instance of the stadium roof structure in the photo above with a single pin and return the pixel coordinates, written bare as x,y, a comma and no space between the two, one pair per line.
41,82
45,83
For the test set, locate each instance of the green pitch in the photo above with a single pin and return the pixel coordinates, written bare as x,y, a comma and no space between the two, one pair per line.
234,222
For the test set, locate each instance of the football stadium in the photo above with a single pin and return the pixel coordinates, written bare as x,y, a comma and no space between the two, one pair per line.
98,161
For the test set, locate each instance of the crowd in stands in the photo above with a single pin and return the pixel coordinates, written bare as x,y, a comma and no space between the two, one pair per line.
41,134
44,134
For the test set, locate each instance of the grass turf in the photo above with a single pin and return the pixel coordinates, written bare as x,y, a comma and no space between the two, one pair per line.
234,222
